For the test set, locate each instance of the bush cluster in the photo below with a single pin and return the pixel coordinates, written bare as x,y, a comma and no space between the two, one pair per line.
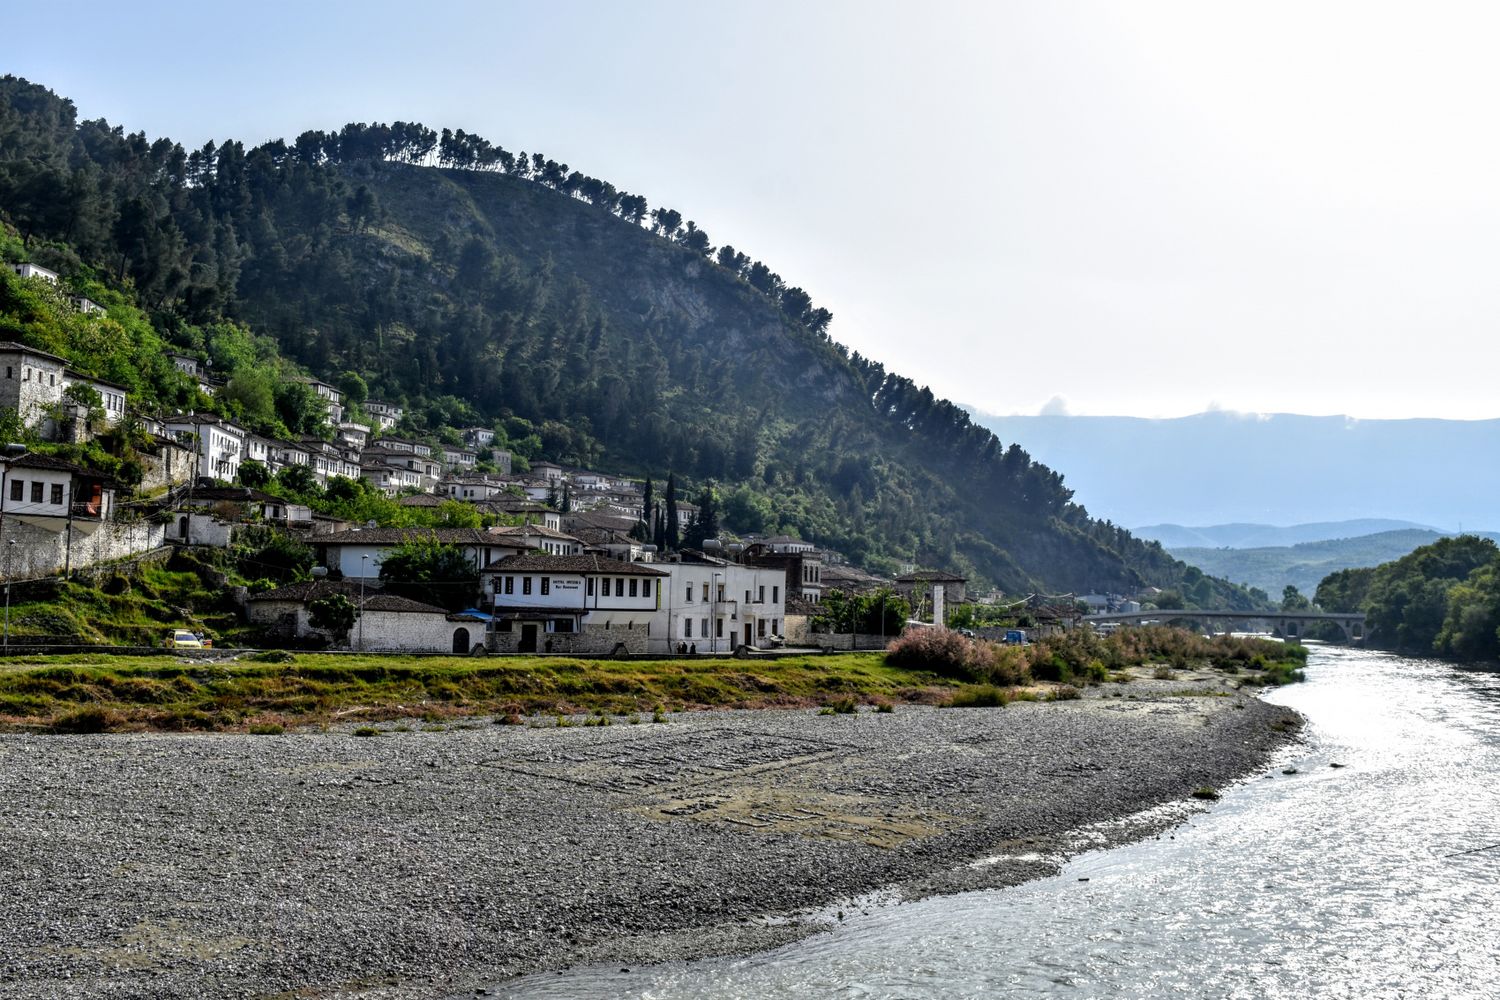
951,654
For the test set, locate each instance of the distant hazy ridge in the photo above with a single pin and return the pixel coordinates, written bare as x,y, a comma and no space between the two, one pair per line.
1217,468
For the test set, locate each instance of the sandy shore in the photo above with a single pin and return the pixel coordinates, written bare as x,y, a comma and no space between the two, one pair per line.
432,864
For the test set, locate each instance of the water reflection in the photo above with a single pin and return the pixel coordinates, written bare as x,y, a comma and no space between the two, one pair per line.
1343,882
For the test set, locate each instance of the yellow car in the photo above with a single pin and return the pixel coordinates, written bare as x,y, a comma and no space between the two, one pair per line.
181,639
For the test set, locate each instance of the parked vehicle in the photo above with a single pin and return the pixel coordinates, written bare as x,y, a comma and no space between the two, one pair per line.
1015,637
182,639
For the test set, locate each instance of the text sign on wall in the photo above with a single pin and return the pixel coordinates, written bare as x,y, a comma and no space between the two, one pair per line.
565,584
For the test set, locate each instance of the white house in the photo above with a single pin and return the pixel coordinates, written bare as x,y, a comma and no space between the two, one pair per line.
42,490
220,444
86,305
385,415
547,540
547,471
35,271
358,553
354,435
478,437
389,479
571,604
717,605
461,459
333,399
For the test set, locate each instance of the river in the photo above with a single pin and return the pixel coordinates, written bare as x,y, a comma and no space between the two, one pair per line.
1380,878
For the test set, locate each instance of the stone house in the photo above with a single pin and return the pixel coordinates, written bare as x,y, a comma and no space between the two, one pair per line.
803,568
386,623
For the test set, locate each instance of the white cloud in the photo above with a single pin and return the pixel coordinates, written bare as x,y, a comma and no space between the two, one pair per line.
1057,406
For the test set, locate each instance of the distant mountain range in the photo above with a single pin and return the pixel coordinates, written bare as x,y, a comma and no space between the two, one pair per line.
1253,536
1302,564
1219,467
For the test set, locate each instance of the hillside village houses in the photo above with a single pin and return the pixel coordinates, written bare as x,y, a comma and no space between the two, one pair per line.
575,579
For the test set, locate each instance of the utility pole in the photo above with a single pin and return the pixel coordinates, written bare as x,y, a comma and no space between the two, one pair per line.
9,548
363,560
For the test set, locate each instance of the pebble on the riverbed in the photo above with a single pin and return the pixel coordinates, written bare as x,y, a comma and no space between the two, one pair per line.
426,865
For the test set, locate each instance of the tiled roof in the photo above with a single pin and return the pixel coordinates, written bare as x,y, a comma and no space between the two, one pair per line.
591,564
930,576
400,536
540,530
11,345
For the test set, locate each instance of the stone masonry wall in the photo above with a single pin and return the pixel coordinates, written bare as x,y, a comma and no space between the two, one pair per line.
42,552
594,640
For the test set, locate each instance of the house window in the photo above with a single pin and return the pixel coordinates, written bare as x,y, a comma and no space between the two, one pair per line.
562,625
57,494
704,623
17,489
52,378
525,584
747,597
619,586
705,599
776,626
687,628
645,588
721,592
761,594
10,372
690,593
36,492
632,587
589,587
760,628
718,628
546,585
776,595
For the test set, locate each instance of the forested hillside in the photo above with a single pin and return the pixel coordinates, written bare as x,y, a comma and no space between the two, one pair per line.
477,285
1442,598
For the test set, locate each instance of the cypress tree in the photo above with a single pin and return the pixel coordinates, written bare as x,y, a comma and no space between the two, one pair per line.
674,526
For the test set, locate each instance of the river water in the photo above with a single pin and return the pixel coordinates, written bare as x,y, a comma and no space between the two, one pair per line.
1330,882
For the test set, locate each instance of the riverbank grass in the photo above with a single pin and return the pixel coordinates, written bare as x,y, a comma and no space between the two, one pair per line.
102,692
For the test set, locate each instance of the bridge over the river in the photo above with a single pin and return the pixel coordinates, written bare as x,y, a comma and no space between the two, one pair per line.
1287,624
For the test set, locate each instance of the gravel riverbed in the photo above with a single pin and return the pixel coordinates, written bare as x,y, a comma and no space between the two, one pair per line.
425,864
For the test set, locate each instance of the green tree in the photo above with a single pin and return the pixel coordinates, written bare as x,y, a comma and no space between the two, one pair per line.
273,554
1471,626
334,614
254,474
354,389
300,481
1292,600
428,571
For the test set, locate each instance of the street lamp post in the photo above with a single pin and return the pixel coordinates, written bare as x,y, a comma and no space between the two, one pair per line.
362,561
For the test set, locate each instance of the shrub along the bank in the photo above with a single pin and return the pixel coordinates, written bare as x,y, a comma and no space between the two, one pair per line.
1081,655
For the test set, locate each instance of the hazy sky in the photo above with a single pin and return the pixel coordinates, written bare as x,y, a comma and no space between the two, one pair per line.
1123,208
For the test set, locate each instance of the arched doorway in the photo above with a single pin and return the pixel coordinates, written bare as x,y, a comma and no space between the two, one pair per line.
461,640
182,527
